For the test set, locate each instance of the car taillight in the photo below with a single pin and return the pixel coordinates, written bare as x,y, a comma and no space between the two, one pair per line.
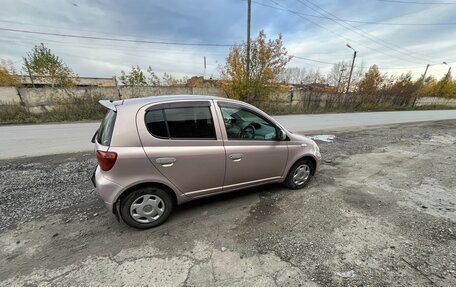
106,159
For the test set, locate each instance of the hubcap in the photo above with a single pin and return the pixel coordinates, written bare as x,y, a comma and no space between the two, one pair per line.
301,174
147,208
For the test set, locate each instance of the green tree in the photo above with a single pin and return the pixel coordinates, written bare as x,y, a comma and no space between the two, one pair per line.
268,60
43,65
136,77
8,76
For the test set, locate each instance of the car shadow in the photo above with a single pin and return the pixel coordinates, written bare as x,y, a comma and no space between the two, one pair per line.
215,200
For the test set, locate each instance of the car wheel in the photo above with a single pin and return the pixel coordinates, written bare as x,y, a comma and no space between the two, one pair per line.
300,174
146,207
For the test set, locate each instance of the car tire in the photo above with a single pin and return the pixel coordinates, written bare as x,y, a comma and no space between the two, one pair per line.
146,207
300,174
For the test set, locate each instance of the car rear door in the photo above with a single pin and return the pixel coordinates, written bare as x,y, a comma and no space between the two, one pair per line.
250,158
183,142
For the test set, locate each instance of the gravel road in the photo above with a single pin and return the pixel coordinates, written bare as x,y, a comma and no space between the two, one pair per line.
380,212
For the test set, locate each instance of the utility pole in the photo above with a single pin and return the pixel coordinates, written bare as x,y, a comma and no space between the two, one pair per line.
351,69
425,72
249,5
204,75
340,78
28,71
449,72
445,80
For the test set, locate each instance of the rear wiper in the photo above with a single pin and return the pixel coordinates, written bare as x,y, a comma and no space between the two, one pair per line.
94,136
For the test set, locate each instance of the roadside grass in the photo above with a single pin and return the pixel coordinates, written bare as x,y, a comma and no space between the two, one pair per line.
77,110
286,110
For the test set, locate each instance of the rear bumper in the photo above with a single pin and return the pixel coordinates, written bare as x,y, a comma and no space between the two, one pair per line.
107,189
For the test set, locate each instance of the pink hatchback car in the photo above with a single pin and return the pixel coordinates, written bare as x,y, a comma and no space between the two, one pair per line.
157,152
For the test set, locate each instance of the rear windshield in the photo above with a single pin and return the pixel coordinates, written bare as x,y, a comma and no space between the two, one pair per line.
106,128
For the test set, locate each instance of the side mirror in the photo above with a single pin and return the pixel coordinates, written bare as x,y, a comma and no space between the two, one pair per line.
282,135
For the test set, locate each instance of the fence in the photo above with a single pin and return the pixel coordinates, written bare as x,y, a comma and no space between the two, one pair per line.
43,100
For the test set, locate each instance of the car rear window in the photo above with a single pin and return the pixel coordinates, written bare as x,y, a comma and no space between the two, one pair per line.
106,128
181,123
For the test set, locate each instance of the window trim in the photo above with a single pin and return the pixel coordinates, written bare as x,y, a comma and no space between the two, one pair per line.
179,106
235,105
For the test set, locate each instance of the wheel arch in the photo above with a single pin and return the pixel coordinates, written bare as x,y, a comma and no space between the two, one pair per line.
312,159
130,189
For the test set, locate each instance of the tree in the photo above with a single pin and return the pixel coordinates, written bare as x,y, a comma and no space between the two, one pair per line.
445,87
268,60
134,78
371,82
170,80
314,77
8,76
293,75
337,75
45,66
153,78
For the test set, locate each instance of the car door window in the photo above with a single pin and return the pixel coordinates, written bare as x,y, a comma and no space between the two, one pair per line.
155,122
243,124
181,123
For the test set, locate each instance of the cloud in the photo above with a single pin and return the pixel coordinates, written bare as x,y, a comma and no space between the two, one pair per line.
224,22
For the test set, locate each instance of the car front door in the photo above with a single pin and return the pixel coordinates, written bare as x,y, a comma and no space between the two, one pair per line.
183,142
254,154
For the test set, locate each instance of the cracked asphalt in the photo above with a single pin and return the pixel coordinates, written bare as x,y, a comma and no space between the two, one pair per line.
380,212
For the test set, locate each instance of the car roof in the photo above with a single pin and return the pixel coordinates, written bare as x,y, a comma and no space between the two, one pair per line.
157,99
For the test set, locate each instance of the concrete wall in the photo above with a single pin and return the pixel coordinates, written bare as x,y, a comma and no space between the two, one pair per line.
45,99
9,96
426,101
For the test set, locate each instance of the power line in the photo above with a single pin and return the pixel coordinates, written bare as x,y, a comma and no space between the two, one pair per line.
333,32
381,68
60,28
361,32
356,21
312,60
115,39
416,2
113,47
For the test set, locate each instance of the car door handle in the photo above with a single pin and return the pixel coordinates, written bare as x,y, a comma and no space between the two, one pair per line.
236,156
166,161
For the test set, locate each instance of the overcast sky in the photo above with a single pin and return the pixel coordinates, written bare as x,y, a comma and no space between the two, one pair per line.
302,23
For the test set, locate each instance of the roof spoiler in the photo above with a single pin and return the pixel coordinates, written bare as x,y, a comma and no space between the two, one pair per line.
110,104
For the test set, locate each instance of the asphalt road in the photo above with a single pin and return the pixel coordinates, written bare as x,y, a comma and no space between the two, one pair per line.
46,139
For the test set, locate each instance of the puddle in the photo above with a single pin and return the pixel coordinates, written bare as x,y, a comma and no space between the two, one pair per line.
324,138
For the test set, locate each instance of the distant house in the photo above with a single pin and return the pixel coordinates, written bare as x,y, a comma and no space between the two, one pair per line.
80,82
199,81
